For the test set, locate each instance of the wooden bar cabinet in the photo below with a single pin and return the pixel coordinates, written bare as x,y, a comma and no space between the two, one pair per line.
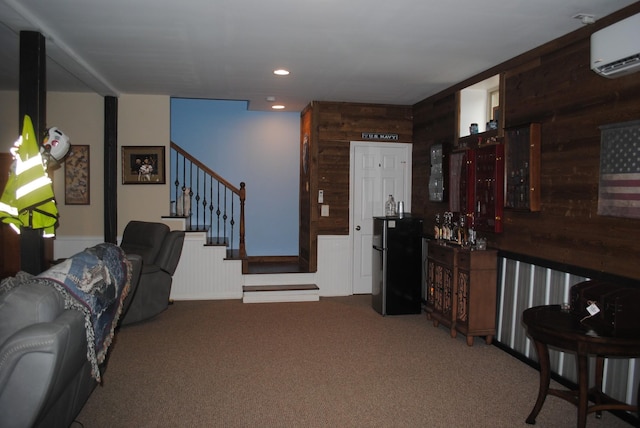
461,290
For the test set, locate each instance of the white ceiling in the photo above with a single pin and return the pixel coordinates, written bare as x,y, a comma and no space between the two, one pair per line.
396,52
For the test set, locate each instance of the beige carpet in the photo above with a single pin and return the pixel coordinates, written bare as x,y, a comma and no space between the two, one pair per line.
333,363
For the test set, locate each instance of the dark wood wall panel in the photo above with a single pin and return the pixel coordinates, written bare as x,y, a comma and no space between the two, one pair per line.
420,178
434,123
554,85
334,180
566,89
307,243
335,125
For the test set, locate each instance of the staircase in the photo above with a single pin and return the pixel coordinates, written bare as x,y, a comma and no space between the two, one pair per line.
211,211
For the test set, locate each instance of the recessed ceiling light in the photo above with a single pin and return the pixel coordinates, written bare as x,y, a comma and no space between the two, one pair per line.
277,107
281,72
271,98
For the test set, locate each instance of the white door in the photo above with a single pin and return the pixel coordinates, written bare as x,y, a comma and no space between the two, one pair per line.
377,171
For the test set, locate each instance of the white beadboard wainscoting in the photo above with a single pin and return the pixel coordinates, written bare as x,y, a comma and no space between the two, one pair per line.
523,285
66,246
204,274
334,265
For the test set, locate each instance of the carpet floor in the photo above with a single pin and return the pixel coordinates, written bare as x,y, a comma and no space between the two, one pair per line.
332,363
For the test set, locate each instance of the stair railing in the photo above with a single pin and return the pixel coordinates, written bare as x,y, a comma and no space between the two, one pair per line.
208,202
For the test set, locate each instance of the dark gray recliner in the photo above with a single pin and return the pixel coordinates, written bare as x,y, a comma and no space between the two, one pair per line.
160,249
45,377
45,373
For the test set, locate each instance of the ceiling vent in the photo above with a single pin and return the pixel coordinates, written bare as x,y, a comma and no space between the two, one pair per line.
615,50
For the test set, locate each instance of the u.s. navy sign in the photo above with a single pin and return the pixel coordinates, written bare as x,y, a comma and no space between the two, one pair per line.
379,136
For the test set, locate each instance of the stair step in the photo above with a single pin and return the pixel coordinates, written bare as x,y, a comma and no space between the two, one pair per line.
273,264
280,293
283,287
262,268
217,241
196,228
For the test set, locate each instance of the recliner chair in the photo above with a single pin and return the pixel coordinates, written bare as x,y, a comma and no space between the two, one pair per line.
160,250
45,367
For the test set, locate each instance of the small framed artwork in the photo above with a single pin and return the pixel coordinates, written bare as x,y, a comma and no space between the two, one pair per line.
143,165
76,176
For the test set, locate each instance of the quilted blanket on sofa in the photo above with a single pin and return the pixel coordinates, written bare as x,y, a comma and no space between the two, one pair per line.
96,282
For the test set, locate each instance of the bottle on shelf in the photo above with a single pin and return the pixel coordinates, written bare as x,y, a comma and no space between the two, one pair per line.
472,231
462,231
390,207
448,225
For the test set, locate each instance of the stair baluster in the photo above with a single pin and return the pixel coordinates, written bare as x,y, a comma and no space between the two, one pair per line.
191,177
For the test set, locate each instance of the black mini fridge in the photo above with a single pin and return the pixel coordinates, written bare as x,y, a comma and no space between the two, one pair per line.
397,265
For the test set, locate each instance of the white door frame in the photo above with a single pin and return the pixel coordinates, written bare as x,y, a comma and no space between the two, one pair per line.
407,196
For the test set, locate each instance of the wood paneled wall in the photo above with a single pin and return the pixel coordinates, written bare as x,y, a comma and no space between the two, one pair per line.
308,243
435,122
331,126
553,85
337,125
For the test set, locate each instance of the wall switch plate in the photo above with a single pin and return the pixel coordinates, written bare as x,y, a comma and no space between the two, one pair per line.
324,211
320,196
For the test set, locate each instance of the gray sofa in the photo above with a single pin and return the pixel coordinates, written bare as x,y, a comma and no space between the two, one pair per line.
47,371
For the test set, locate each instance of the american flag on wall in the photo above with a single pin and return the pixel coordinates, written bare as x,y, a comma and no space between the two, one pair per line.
619,191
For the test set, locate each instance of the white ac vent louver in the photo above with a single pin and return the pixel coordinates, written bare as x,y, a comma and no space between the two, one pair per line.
615,50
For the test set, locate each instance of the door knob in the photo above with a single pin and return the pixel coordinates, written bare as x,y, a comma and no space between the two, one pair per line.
358,227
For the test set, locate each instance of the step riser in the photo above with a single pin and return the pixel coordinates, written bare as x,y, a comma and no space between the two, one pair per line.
280,296
279,279
280,293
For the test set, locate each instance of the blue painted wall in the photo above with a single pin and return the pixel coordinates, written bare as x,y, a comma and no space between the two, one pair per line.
260,148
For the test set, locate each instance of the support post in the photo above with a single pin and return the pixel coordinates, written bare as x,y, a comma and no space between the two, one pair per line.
110,169
33,102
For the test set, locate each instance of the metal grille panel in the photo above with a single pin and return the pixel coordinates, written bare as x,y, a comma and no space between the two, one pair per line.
523,285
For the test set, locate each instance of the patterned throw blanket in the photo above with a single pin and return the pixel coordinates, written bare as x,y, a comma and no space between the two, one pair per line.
96,282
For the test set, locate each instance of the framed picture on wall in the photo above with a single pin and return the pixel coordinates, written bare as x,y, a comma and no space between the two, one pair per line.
76,176
143,165
619,185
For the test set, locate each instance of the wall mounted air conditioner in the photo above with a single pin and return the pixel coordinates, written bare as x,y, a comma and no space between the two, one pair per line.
615,50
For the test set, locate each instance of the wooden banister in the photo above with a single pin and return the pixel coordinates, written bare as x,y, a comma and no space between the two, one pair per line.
205,168
192,177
